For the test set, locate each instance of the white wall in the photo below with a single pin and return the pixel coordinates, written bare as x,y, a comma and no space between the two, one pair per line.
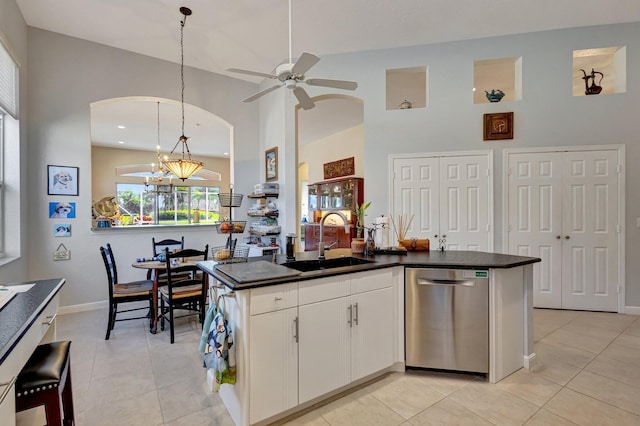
344,144
548,115
67,74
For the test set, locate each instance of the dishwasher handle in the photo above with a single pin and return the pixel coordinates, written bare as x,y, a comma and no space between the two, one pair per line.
446,282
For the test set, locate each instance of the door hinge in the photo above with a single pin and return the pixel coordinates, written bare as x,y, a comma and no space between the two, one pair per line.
488,227
618,229
619,168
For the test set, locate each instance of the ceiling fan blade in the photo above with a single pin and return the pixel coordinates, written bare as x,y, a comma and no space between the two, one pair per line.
304,63
254,73
261,93
338,84
303,98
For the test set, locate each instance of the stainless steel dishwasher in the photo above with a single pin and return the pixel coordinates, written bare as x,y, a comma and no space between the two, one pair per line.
447,319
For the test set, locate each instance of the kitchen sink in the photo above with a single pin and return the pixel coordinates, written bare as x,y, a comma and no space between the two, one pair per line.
322,264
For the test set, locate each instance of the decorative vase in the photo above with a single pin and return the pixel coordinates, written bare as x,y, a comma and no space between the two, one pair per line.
358,245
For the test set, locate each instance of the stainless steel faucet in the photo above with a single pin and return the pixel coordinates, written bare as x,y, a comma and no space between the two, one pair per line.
321,242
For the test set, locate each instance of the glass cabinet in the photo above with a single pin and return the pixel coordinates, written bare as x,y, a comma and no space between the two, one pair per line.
338,194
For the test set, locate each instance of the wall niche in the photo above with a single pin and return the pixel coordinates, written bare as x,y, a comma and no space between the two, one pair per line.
605,71
494,75
406,88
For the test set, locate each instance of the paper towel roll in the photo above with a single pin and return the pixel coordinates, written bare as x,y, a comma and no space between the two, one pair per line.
382,231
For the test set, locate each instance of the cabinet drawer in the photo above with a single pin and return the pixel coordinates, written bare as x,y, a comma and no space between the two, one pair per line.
323,289
371,280
273,298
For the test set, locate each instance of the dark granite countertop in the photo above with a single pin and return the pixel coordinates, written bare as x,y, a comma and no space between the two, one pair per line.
17,316
429,259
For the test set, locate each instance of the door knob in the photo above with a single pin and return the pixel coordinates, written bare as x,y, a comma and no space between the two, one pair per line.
567,237
558,237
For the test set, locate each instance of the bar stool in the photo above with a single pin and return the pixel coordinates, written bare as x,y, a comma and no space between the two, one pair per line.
46,380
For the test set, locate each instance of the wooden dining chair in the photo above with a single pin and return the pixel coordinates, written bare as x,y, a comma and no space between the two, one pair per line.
187,294
159,247
119,293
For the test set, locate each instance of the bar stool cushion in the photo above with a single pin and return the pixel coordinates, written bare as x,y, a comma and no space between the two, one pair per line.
44,369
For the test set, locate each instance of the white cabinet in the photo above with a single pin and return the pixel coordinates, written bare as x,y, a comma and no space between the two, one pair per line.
274,363
324,348
343,321
273,353
309,338
371,333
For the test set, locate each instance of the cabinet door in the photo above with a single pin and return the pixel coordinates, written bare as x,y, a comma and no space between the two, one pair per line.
273,364
323,348
310,237
372,331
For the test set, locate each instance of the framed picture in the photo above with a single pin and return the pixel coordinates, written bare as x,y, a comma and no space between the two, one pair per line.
62,230
62,210
62,180
498,126
271,164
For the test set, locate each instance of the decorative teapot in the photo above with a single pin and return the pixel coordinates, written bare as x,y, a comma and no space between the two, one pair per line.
495,95
594,89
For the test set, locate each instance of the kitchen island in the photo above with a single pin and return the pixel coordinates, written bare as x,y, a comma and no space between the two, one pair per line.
304,336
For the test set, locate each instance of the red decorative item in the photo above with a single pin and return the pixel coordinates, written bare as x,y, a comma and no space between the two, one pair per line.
334,169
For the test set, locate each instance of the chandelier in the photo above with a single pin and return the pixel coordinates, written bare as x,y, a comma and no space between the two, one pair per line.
183,167
156,179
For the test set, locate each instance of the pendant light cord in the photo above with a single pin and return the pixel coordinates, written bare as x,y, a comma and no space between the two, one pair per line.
182,23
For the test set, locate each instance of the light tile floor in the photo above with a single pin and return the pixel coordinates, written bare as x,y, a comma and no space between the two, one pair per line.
587,373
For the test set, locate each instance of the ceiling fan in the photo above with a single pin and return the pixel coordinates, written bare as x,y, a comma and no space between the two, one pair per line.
291,74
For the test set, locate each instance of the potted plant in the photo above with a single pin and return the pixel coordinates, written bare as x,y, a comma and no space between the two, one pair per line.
358,244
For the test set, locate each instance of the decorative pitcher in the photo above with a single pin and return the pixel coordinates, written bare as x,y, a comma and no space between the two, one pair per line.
594,89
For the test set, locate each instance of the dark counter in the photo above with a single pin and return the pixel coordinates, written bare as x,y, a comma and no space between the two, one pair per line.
428,259
17,316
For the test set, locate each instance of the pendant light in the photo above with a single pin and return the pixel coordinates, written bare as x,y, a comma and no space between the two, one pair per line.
183,167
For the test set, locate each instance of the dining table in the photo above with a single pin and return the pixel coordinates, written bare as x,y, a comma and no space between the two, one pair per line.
157,267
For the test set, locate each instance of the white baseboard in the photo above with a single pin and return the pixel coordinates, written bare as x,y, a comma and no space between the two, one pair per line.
104,304
529,361
632,310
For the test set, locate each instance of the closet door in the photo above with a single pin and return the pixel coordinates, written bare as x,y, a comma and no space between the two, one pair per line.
535,220
464,202
563,208
449,197
590,237
416,191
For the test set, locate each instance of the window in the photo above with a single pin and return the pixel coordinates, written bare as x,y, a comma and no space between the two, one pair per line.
10,225
2,236
184,205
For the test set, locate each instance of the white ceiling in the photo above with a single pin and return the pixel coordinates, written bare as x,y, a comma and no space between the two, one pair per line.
254,34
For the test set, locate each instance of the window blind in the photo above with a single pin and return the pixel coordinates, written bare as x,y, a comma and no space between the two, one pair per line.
8,83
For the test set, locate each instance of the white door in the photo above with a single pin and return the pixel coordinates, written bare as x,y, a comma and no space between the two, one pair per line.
449,196
323,347
273,377
464,202
535,220
590,220
563,208
415,192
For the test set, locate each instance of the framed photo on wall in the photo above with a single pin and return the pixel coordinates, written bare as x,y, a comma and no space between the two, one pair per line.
271,164
498,126
62,180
